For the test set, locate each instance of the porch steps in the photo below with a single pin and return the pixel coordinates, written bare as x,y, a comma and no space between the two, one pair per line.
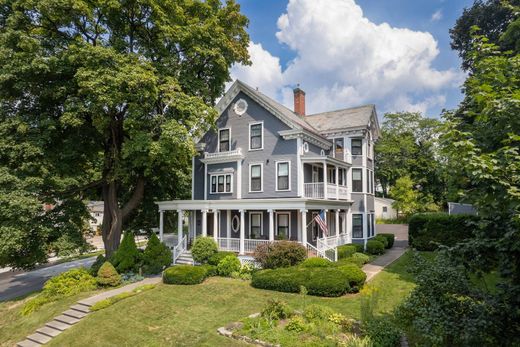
185,259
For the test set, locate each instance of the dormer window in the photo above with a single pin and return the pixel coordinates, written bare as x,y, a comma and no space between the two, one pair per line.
224,140
256,136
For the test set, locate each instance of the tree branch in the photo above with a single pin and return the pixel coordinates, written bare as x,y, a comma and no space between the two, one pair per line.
74,190
135,200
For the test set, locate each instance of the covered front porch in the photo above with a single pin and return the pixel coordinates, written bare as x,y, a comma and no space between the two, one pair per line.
241,225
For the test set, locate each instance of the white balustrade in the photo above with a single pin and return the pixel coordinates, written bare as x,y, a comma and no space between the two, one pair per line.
229,244
180,248
251,244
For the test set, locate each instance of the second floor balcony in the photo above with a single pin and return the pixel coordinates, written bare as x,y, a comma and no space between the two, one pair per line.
223,157
319,190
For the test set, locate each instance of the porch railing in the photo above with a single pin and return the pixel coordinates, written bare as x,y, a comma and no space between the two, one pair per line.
180,248
229,244
316,191
326,251
251,244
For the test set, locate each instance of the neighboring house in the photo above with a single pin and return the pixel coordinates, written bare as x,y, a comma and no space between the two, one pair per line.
457,208
95,209
267,171
384,209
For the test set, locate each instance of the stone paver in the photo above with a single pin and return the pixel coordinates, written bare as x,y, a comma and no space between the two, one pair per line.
58,325
28,343
49,331
75,314
80,308
39,338
66,319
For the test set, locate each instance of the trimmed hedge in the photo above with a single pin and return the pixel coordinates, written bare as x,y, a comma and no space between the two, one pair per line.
184,274
345,251
390,238
316,262
320,281
359,246
280,254
108,276
375,247
428,230
203,249
217,257
211,270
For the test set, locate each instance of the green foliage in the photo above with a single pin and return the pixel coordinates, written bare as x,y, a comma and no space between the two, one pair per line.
405,195
130,277
280,254
319,281
114,110
68,283
94,268
382,331
127,257
375,247
390,238
116,298
295,324
157,256
359,259
203,249
228,265
359,246
345,251
276,309
184,274
217,257
429,230
316,262
211,270
317,312
108,276
354,275
382,239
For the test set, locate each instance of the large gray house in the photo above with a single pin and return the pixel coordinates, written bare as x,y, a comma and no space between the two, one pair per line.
267,171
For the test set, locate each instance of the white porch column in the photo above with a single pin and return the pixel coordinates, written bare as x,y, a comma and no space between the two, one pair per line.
325,180
242,231
271,225
337,182
337,222
304,226
179,226
326,216
161,225
204,223
349,224
215,225
298,230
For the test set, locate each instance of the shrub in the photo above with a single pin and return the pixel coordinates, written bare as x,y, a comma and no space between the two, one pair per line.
381,239
184,274
108,276
217,257
359,258
245,273
316,262
131,277
428,230
65,284
355,276
382,331
211,270
318,281
280,254
228,265
276,309
203,248
375,247
100,260
157,256
127,258
296,324
345,251
317,312
390,238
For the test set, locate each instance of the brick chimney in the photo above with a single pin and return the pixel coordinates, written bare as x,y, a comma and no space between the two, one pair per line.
299,101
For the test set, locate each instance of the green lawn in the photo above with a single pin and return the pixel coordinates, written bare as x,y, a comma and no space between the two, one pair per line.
190,315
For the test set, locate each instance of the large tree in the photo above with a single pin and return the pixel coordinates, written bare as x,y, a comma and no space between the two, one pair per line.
103,99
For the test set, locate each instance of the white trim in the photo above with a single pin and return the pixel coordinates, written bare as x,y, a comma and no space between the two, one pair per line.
211,192
237,218
218,139
235,107
261,177
277,213
288,177
249,139
362,181
251,213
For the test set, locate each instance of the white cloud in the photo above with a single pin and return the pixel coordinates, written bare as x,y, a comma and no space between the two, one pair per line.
344,60
436,16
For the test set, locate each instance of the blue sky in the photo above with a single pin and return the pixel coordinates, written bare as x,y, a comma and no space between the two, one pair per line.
395,54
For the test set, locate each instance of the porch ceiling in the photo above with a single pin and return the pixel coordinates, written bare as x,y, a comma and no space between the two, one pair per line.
254,204
327,159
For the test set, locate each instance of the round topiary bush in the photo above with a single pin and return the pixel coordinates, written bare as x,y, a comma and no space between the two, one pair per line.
108,276
345,251
156,256
94,268
375,247
390,238
203,248
217,257
382,239
316,262
356,277
184,274
361,258
228,265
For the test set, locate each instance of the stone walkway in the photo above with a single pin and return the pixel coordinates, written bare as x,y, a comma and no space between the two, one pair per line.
75,313
376,266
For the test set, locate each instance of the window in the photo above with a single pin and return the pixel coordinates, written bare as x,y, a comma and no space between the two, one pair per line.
255,224
282,175
331,175
373,183
357,180
372,223
357,226
385,209
256,140
282,225
341,179
255,174
223,140
338,148
221,184
369,178
357,148
235,223
369,226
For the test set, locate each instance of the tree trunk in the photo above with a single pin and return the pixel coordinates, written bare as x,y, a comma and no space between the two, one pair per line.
112,219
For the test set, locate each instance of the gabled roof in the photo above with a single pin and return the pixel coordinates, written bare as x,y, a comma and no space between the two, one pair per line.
341,119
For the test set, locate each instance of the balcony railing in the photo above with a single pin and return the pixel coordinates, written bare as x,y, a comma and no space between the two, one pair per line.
228,154
316,191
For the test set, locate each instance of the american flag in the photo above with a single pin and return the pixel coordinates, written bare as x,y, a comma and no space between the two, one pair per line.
320,219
